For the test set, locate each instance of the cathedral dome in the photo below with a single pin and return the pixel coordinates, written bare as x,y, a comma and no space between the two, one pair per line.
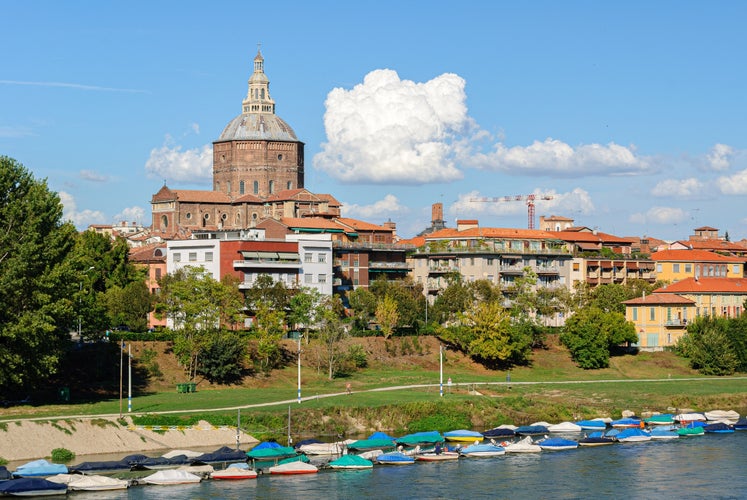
258,120
257,126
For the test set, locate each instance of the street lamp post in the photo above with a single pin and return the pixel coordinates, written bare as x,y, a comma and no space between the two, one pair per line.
441,364
299,367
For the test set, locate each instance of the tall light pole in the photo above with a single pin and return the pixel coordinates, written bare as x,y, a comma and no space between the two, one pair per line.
441,364
299,367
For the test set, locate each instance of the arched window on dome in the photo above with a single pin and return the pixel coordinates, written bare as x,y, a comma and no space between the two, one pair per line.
164,222
241,187
289,185
262,93
272,187
238,218
256,187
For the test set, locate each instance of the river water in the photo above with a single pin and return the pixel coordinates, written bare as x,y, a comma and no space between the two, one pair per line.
710,466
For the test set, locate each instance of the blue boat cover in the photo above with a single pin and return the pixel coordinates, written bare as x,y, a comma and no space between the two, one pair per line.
592,424
381,435
306,441
528,430
266,444
40,468
633,431
463,433
28,485
741,424
718,427
4,473
223,454
394,457
499,432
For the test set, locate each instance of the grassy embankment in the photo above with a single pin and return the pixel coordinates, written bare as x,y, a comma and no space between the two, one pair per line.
551,389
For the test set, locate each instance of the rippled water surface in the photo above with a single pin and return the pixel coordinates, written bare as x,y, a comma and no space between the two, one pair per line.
710,466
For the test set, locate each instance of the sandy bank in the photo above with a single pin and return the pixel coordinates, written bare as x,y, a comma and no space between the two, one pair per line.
30,440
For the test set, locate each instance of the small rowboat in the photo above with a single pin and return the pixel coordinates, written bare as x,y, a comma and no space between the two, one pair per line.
235,472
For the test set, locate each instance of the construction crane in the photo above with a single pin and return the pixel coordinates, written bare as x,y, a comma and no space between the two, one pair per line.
528,198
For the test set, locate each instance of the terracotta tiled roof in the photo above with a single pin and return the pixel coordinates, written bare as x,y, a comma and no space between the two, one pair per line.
574,236
658,299
557,218
188,195
493,232
706,228
417,241
248,198
692,256
359,225
706,285
713,245
146,253
329,198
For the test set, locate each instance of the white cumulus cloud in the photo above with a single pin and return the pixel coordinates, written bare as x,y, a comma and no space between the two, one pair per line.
387,130
90,175
131,214
554,157
734,184
659,215
387,207
577,200
169,162
720,157
679,188
80,218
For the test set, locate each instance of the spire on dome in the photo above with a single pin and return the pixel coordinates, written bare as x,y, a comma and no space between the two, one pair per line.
258,98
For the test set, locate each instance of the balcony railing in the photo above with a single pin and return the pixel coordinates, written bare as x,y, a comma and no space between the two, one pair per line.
267,263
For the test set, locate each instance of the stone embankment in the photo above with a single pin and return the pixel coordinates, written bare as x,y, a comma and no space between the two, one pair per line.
30,440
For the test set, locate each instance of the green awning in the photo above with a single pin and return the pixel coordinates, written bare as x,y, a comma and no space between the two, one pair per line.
249,255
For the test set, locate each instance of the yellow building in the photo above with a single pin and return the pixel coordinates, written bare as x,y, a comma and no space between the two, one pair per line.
661,319
676,265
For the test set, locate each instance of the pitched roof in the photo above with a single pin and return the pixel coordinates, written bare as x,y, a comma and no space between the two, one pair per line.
658,299
706,285
715,245
199,196
417,241
493,232
574,236
310,223
360,225
691,256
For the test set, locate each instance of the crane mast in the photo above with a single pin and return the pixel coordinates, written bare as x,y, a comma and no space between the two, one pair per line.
528,198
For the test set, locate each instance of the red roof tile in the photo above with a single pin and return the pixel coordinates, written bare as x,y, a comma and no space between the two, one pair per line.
706,285
658,299
691,256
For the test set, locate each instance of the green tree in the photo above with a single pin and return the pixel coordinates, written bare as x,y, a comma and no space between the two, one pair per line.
708,347
455,299
304,308
591,333
269,292
363,303
37,280
128,306
192,299
387,315
222,360
331,334
267,330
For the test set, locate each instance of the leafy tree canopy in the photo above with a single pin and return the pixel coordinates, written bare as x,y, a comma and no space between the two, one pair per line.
591,333
36,279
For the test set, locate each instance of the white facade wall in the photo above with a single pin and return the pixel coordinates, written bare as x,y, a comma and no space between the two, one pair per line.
194,253
315,251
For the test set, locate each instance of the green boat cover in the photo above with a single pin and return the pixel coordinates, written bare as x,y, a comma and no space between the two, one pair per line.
271,453
371,444
690,431
350,461
422,438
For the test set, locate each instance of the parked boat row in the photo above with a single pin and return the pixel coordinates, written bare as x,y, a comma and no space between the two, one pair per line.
42,478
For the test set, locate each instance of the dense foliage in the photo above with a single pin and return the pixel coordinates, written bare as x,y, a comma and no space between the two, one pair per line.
36,279
591,333
716,346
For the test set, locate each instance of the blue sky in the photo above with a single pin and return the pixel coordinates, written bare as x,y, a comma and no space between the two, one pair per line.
631,115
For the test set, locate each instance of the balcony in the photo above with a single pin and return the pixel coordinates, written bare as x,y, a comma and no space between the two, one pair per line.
546,270
443,269
393,266
512,269
675,323
266,264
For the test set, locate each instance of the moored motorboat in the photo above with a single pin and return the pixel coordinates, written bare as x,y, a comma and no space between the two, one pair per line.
437,457
557,444
291,468
696,430
428,438
31,486
350,462
633,435
482,450
531,430
500,432
626,423
726,416
335,448
463,436
718,428
525,445
235,472
684,418
596,439
84,482
395,458
564,428
169,477
660,419
662,433
592,425
741,424
38,468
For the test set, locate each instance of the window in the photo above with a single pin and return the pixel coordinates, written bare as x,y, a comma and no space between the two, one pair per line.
256,187
307,278
164,222
635,314
490,261
228,187
208,256
735,269
158,273
289,185
675,268
241,187
307,257
177,257
688,268
658,268
280,157
188,215
651,313
322,279
322,258
576,266
491,278
272,187
193,256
